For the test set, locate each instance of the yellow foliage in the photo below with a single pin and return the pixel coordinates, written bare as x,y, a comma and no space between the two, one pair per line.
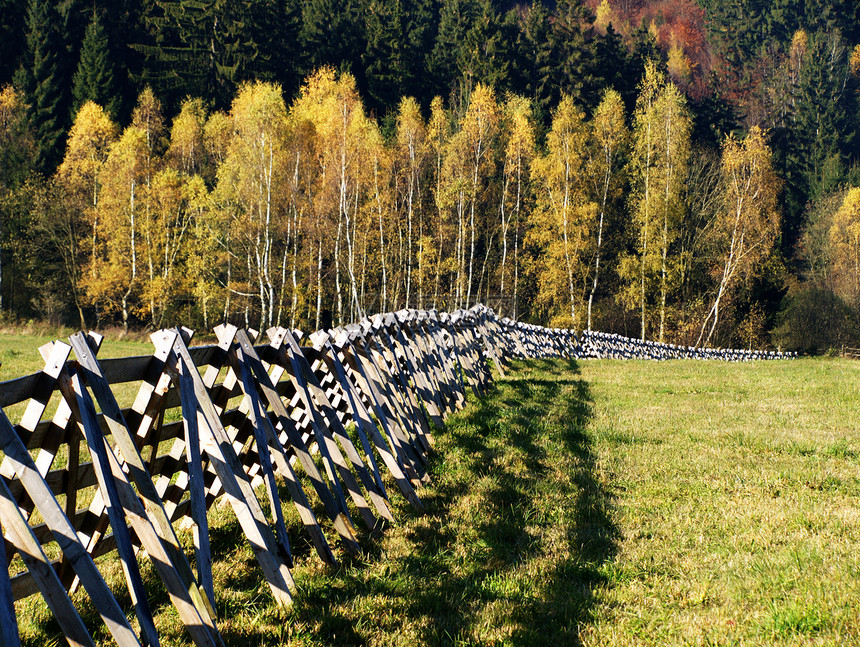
87,149
748,225
480,125
186,137
217,134
845,246
854,62
603,16
563,217
797,51
115,271
746,228
12,108
661,146
16,140
678,64
148,118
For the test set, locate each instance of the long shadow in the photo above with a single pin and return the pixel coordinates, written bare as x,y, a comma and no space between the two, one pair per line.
504,452
521,561
592,537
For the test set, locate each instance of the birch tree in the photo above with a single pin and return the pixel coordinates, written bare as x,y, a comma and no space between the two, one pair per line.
638,270
379,209
173,197
563,215
478,131
78,177
844,248
438,134
518,154
606,143
411,146
673,154
115,277
251,176
187,152
747,226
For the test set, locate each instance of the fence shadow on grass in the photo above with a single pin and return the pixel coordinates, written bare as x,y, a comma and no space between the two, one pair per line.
516,529
510,548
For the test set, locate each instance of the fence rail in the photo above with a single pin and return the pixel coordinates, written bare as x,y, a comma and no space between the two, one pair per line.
850,352
82,476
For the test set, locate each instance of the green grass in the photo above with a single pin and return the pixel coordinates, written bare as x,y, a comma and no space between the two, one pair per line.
20,356
594,503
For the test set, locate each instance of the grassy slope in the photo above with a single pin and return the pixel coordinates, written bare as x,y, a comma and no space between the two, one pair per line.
603,503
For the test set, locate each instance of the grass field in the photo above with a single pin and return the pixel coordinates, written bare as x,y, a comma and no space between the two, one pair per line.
19,354
595,503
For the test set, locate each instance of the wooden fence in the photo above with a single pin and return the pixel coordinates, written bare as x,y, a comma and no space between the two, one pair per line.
81,476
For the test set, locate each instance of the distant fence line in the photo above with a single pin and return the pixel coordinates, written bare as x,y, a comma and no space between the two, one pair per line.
219,421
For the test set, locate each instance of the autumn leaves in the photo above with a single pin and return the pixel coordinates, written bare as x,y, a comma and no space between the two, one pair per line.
276,213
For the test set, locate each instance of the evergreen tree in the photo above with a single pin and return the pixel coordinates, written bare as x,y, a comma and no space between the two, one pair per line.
206,48
534,62
456,18
474,45
42,84
94,79
12,30
333,33
573,55
818,138
398,33
277,25
613,68
489,46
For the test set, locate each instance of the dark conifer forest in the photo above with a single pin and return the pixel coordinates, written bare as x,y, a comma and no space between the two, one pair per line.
682,170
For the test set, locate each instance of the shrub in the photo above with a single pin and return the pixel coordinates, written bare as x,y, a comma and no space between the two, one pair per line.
814,320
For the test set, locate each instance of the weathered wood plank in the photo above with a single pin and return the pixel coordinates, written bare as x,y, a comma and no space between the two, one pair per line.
363,419
8,623
338,431
85,351
65,535
369,385
249,363
197,489
216,443
42,573
84,410
257,417
325,440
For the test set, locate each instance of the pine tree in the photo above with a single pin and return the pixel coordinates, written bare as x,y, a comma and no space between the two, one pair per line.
43,85
572,50
819,134
13,15
387,56
489,48
534,66
398,33
94,79
333,34
456,18
206,48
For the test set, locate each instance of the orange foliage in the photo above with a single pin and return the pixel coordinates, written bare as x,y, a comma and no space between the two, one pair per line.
680,26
